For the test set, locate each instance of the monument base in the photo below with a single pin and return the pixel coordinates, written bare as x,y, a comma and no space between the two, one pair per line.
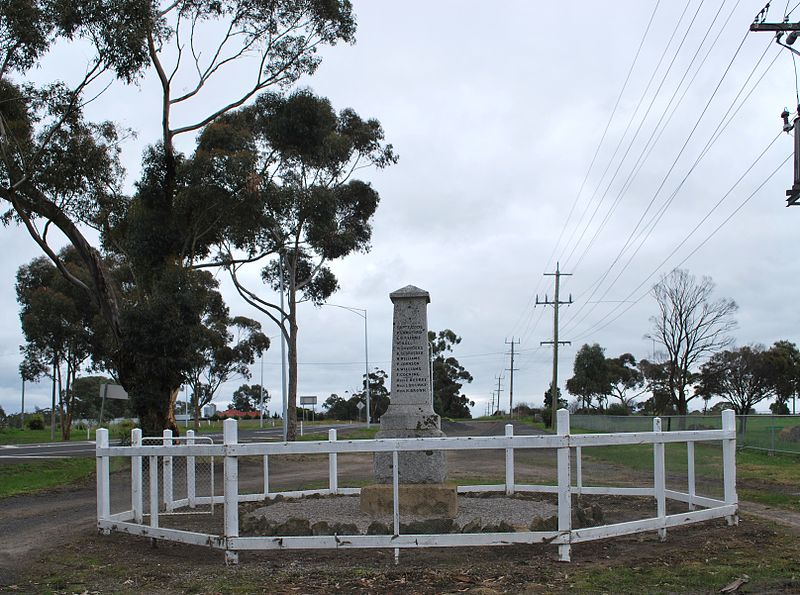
426,499
422,466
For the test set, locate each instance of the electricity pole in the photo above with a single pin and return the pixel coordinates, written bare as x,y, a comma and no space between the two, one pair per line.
512,369
760,24
555,342
499,390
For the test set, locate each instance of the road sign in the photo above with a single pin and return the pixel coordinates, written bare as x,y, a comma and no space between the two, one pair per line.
308,400
360,405
113,391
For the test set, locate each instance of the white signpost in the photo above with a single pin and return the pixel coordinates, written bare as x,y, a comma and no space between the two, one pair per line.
110,391
309,400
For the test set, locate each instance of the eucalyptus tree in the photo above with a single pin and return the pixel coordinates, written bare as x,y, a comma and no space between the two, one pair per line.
294,158
58,326
590,377
229,346
691,326
448,376
60,170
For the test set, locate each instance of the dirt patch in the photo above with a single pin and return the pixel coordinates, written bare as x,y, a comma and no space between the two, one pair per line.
697,559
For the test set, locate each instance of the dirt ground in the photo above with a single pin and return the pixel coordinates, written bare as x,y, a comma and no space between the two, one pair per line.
48,543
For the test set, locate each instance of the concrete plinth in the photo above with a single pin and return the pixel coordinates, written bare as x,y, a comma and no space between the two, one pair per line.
434,500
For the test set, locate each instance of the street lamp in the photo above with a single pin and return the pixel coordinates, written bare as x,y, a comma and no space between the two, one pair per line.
362,312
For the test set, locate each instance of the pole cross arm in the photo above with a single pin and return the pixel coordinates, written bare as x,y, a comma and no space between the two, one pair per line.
775,27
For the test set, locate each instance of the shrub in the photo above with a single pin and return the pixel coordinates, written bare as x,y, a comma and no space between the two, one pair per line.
617,409
35,423
215,417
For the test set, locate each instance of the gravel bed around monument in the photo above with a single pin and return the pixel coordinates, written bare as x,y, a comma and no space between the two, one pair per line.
477,512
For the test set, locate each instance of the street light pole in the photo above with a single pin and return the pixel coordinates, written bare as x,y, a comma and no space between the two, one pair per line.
362,312
261,395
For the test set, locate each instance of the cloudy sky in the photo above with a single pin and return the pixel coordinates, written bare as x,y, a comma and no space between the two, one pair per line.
525,138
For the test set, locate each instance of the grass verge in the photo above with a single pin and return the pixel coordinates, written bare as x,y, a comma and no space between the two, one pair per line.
26,478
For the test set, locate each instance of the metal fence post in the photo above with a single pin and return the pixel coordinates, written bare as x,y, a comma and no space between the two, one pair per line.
509,462
332,466
103,488
729,463
191,486
167,471
690,470
136,477
564,480
659,480
231,488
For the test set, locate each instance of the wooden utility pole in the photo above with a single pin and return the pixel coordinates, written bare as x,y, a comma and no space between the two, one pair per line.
555,342
499,390
760,24
512,369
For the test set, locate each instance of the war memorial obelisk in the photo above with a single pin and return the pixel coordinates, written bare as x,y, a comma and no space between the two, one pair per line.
411,415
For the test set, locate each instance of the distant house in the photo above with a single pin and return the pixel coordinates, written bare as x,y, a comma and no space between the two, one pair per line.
239,414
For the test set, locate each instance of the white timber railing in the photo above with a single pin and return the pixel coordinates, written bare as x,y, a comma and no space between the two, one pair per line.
567,446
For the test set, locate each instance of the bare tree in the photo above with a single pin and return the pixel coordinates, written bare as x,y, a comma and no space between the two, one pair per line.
690,326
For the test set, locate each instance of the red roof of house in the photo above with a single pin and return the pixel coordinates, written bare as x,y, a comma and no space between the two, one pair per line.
237,413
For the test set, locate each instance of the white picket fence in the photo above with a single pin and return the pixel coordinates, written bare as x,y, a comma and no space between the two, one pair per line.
700,508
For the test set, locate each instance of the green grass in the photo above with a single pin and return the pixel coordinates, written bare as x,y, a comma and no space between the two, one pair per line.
26,478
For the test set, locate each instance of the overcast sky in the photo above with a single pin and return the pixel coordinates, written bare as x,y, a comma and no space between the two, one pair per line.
496,111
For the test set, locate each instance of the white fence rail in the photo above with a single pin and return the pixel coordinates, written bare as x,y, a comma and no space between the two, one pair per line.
700,508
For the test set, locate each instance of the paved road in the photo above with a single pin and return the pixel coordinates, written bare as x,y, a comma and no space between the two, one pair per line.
25,453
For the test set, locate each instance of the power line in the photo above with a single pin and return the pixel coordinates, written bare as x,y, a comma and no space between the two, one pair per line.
660,126
595,328
647,230
665,178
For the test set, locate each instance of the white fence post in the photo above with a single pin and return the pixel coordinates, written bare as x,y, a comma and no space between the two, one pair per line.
396,501
103,489
230,437
266,476
564,481
729,463
136,477
659,481
578,469
509,462
154,492
191,486
167,470
333,471
690,473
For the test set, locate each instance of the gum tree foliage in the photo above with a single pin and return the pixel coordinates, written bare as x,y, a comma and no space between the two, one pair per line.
337,407
248,398
291,159
590,377
784,361
228,347
656,382
547,410
742,377
690,326
60,170
58,326
378,394
448,376
626,381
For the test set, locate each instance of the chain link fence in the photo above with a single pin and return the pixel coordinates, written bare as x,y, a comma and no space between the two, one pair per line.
769,433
